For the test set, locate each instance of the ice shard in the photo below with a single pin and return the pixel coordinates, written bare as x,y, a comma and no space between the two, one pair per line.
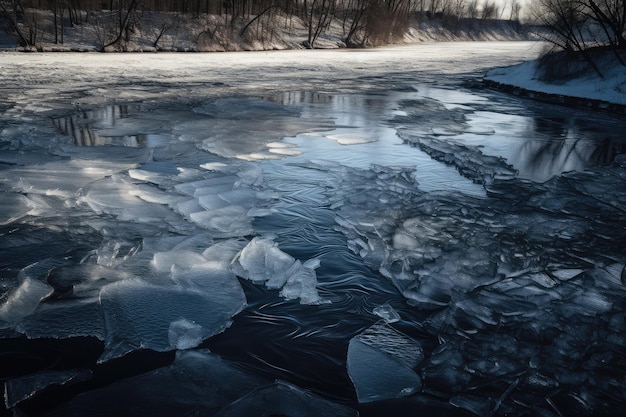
381,364
387,313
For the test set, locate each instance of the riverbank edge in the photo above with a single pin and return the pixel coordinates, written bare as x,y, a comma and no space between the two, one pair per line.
191,36
553,98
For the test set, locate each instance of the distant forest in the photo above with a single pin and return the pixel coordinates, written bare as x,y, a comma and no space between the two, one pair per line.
362,22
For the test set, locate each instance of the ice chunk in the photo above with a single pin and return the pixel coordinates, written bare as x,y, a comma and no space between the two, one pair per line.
213,279
281,148
381,364
154,195
211,185
566,274
378,376
113,252
83,280
141,315
470,161
301,283
164,261
387,313
24,300
261,261
388,340
354,138
188,206
284,399
63,178
149,176
22,388
115,195
13,206
225,222
223,252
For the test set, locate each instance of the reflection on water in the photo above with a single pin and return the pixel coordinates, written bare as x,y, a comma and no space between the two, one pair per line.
538,141
98,128
543,159
558,144
543,141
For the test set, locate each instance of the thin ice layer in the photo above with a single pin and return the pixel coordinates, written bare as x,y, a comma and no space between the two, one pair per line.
141,315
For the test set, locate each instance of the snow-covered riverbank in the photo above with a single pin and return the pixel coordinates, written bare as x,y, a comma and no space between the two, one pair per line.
589,90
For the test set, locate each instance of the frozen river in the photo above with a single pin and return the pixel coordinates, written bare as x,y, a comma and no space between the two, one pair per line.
306,233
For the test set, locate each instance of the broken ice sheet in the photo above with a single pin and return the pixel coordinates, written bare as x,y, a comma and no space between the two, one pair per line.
24,300
13,206
381,364
484,268
22,388
284,399
62,178
117,195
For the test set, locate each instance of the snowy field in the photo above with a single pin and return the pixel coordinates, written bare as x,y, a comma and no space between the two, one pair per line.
336,233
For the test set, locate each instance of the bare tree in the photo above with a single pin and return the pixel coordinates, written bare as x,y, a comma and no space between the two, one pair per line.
516,8
23,24
472,9
567,24
488,10
353,21
115,29
318,15
610,16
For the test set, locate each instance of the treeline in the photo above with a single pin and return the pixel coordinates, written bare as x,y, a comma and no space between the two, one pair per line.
581,28
363,22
